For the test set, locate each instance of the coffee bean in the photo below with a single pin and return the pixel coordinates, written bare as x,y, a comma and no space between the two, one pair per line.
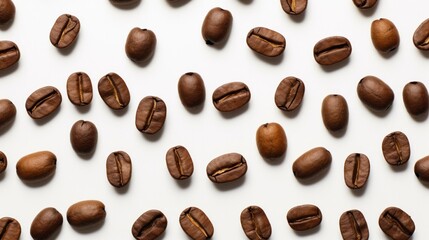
356,170
384,35
255,223
271,140
140,44
335,112
64,31
311,162
293,7
304,217
9,53
421,169
114,91
150,225
421,36
231,96
179,162
196,224
43,102
124,2
79,89
216,26
10,229
3,162
46,223
86,213
332,50
396,223
396,148
353,225
226,168
191,89
289,94
118,168
375,93
364,4
416,98
151,114
83,137
36,166
7,11
7,112
266,41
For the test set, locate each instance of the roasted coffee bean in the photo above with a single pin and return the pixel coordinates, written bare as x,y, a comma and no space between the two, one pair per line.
7,112
140,44
150,225
364,4
83,137
43,102
311,162
271,140
289,94
124,2
375,93
396,223
7,11
86,213
384,35
3,162
332,50
10,229
356,170
293,7
191,89
151,114
421,169
118,168
64,31
353,225
226,168
114,91
79,89
46,223
416,98
216,26
36,166
304,217
255,223
196,224
266,41
231,96
396,148
9,54
179,162
421,36
335,112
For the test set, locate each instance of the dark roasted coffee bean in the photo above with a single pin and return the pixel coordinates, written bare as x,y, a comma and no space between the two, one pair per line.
231,96
416,98
293,7
396,148
216,26
266,41
191,89
335,112
7,112
83,137
118,168
396,223
375,93
226,168
10,229
304,217
271,140
421,36
3,162
140,44
384,35
124,2
86,213
114,91
151,114
79,89
36,166
9,54
255,223
353,225
179,162
311,162
332,50
64,31
356,170
7,11
150,225
43,102
289,93
421,169
196,224
364,4
46,223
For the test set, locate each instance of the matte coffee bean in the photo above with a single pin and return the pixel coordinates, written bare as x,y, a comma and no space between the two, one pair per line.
289,94
150,225
86,213
304,217
64,31
36,166
79,89
396,223
124,2
83,137
353,225
9,53
196,224
43,102
375,93
396,148
191,89
421,36
416,98
356,170
271,140
216,26
226,168
151,114
255,223
179,163
7,112
332,50
335,112
421,169
118,169
10,229
293,7
365,4
231,96
114,91
311,162
3,162
140,45
266,41
7,11
384,35
46,223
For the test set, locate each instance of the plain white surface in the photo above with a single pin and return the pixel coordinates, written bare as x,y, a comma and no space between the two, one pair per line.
207,133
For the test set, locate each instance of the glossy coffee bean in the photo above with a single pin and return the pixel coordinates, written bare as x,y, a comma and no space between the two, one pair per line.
289,94
421,169
196,224
304,217
191,89
293,7
86,213
216,26
384,35
79,89
335,112
118,169
271,140
114,91
416,98
396,148
3,162
332,50
10,229
150,225
365,4
226,168
36,166
46,223
375,93
311,162
356,170
43,102
64,31
9,54
83,137
231,96
255,223
140,45
421,36
7,11
396,223
179,163
353,225
266,42
7,112
151,114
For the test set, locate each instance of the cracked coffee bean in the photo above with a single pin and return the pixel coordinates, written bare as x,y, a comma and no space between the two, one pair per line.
304,217
266,42
79,89
356,170
196,224
64,31
293,7
179,163
353,225
9,54
226,168
255,223
43,102
231,96
396,148
151,114
396,223
118,169
289,94
114,91
150,225
421,36
10,229
332,50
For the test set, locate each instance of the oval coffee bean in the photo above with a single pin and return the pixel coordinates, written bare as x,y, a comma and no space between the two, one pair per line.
140,44
375,93
353,225
364,4
332,50
231,96
226,168
416,98
289,94
293,7
216,26
335,112
150,225
46,223
9,53
191,89
255,223
421,169
124,2
79,89
151,114
7,112
421,36
266,41
43,102
311,162
10,229
83,137
271,140
36,166
396,148
114,91
7,11
196,224
118,168
396,223
384,35
304,217
3,162
179,162
356,170
86,213
64,31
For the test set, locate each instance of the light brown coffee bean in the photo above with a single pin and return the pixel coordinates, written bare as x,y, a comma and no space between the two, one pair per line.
3,162
118,169
335,112
289,94
114,91
421,169
43,102
86,213
84,137
179,163
7,112
151,114
196,224
271,140
7,11
150,225
79,89
191,89
356,170
311,162
293,7
365,4
231,96
384,35
36,166
64,31
226,168
9,54
255,223
375,93
353,225
396,223
10,229
416,98
216,26
266,41
46,223
140,45
421,36
304,217
396,148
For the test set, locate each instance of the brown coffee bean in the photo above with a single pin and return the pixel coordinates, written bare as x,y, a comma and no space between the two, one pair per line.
396,148
3,162
311,162
64,31
46,223
266,41
216,26
226,168
384,35
365,4
114,91
83,137
255,223
375,93
289,94
353,225
140,44
7,112
293,7
271,140
196,224
396,223
10,229
191,89
124,2
36,166
416,98
179,163
151,114
335,112
231,96
356,170
304,217
79,89
7,11
421,169
150,225
421,36
118,169
332,50
86,213
9,53
43,102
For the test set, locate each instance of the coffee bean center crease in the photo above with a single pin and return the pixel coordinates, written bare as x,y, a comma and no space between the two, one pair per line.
356,168
355,225
395,221
42,100
196,224
333,48
177,159
232,95
150,116
6,227
119,167
227,169
272,42
149,226
115,91
5,53
68,27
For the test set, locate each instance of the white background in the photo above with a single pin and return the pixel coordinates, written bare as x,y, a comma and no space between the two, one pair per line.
207,133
